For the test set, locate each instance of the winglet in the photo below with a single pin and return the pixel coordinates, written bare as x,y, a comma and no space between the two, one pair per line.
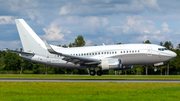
47,45
50,49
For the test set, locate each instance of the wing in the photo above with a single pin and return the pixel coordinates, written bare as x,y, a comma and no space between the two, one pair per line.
73,59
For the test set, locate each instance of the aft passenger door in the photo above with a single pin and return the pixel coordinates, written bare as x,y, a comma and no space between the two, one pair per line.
48,58
149,51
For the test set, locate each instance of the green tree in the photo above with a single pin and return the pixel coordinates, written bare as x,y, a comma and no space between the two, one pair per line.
64,46
79,41
27,66
178,46
12,61
139,69
70,45
2,54
175,63
169,46
147,42
161,43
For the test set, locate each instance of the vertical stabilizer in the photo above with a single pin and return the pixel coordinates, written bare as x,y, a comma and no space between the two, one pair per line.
29,39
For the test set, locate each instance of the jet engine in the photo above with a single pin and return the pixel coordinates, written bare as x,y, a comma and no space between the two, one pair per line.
110,63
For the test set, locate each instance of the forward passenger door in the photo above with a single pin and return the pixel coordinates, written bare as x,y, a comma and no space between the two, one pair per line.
149,51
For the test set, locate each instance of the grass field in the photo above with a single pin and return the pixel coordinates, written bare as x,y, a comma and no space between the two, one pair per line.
34,76
89,91
63,91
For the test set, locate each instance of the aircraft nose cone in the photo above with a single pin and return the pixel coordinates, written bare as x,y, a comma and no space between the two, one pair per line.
174,54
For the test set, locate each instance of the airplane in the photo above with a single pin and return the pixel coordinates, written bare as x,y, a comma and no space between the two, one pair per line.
105,57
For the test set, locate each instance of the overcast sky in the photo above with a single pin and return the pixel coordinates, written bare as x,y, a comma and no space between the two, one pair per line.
98,21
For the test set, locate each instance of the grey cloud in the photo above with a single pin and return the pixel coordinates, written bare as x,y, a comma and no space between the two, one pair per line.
135,6
16,6
90,18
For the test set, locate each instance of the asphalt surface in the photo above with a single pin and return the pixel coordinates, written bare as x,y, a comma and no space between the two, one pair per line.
88,80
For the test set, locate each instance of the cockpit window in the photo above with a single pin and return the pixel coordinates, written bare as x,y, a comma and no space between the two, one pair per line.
162,49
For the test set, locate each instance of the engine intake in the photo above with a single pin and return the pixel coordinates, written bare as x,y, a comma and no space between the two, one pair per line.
109,63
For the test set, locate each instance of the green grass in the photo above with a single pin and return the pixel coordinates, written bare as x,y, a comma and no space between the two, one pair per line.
35,76
64,91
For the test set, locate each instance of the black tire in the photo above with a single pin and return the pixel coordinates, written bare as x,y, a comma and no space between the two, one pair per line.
99,72
92,72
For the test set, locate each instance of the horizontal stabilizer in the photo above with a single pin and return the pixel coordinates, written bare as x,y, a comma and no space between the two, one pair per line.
25,53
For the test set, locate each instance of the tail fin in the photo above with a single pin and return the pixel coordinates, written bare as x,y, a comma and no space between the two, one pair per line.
29,39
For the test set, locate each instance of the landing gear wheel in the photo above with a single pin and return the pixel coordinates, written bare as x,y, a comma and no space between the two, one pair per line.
92,72
99,72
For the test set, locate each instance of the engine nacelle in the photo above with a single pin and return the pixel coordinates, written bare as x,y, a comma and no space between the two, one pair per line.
111,63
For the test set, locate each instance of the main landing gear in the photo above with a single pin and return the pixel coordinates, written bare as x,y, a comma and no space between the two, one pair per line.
93,72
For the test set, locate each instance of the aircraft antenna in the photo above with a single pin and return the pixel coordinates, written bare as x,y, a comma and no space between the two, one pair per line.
103,44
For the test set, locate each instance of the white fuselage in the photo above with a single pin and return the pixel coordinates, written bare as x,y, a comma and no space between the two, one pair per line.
129,54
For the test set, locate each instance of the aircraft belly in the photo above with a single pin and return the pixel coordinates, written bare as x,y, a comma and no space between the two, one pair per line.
138,59
68,65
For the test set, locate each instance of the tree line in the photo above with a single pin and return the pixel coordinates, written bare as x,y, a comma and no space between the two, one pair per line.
11,63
